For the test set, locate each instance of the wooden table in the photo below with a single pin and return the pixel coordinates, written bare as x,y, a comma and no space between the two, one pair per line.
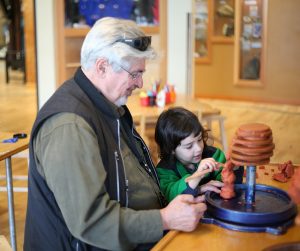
146,116
214,238
7,150
190,103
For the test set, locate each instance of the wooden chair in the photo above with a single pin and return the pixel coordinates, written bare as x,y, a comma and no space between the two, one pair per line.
16,60
212,117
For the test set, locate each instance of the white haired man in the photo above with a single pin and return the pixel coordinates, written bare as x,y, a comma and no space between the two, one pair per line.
92,184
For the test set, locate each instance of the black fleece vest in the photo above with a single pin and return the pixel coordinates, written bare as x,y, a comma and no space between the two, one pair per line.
45,228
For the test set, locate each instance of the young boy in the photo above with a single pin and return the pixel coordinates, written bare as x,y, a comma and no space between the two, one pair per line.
188,165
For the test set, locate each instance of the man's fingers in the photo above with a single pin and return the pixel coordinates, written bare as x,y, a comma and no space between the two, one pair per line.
201,207
200,198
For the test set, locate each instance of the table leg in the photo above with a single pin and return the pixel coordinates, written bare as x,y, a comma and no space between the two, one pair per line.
10,197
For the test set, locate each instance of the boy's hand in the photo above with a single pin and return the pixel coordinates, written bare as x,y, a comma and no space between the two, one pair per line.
213,185
205,166
209,163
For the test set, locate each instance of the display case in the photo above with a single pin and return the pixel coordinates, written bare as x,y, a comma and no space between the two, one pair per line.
250,40
223,21
83,13
74,19
201,19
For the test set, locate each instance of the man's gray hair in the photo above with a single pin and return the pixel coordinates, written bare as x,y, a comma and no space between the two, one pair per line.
100,42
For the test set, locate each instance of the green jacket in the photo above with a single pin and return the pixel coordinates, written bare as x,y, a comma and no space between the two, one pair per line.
172,174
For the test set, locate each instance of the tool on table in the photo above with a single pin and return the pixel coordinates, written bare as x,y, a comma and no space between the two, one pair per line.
15,138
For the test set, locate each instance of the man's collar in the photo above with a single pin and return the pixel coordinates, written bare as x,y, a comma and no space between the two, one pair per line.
97,97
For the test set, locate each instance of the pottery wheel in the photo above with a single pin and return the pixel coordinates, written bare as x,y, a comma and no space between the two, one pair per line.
271,212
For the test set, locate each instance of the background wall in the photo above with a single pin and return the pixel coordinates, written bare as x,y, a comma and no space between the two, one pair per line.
213,80
177,43
46,74
282,68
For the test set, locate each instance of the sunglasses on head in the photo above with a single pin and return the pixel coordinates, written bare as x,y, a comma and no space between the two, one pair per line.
139,43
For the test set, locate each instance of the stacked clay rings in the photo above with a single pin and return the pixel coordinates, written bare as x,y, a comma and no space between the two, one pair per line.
252,145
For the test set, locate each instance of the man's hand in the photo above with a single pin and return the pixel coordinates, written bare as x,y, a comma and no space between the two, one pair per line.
183,213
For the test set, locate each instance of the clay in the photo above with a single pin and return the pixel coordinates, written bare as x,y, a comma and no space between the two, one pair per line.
252,145
280,177
227,192
286,169
228,178
253,150
239,162
254,130
254,158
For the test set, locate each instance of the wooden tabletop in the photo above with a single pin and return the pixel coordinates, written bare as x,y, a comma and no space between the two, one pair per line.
214,238
193,104
9,149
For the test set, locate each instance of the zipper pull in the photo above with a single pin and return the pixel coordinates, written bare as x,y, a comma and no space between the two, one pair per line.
116,155
147,168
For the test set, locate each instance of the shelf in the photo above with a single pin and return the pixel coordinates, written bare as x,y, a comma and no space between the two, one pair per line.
76,32
201,30
250,37
73,65
223,19
222,40
202,60
81,32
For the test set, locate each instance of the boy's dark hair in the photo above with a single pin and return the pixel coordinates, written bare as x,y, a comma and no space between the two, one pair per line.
174,125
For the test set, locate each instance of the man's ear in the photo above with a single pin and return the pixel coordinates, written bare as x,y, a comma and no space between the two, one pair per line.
101,66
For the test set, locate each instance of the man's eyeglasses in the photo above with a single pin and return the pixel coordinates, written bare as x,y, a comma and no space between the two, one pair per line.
134,75
139,43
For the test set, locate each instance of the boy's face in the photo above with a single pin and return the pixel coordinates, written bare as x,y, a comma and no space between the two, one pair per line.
190,149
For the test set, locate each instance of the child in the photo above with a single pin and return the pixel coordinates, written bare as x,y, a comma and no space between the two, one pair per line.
183,151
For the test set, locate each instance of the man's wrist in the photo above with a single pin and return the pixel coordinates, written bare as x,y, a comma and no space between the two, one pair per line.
164,217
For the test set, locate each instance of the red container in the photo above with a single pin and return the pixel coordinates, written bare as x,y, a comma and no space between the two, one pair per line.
144,101
168,97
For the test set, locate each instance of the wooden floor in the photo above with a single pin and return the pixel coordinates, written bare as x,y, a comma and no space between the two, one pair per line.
18,110
17,113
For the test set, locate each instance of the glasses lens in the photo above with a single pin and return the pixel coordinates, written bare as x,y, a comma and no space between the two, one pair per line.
144,43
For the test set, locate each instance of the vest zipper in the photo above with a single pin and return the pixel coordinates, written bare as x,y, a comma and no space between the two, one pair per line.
151,173
124,168
117,173
145,148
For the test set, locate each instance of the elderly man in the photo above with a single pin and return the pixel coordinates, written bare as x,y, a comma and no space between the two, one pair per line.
92,184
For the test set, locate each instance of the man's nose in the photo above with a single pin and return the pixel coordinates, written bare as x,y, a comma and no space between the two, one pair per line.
139,83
